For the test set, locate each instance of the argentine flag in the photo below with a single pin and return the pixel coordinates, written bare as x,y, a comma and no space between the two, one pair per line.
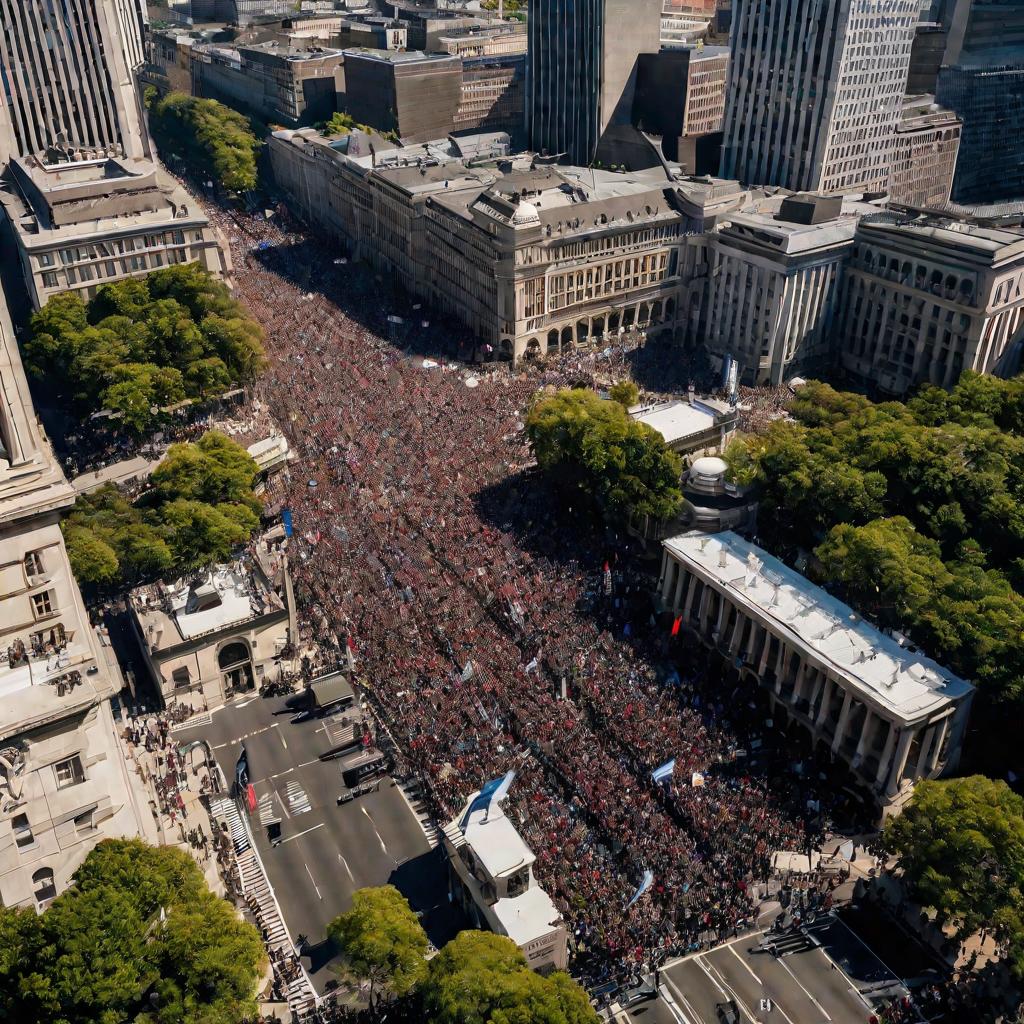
664,773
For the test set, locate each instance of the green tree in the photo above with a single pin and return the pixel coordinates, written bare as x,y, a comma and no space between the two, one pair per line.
200,534
381,940
215,469
960,845
93,560
483,978
625,392
592,448
139,390
217,139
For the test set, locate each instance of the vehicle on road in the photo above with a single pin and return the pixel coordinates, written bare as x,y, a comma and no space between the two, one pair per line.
362,766
728,1013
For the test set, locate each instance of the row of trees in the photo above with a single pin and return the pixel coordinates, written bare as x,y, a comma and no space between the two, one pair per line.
477,978
199,509
600,458
138,937
144,343
960,845
218,141
917,511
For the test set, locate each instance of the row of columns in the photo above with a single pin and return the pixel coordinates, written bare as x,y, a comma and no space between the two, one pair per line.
679,589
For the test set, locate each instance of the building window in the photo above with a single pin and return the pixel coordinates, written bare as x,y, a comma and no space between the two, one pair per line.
49,279
69,772
84,822
34,563
182,678
43,886
22,831
42,604
45,259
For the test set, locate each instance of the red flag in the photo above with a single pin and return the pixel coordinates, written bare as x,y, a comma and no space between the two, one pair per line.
676,625
250,798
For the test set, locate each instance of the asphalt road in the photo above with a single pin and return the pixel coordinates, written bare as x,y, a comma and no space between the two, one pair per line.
804,987
326,852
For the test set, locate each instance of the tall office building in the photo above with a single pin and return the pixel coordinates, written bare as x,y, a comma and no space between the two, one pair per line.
67,77
581,70
815,91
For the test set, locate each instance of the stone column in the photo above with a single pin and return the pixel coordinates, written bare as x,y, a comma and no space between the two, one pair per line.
677,599
899,763
670,572
723,610
826,701
844,716
884,765
766,650
690,591
798,685
705,600
755,632
940,739
865,736
735,638
921,768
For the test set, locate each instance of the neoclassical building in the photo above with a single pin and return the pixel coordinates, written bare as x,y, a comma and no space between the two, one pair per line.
891,714
63,781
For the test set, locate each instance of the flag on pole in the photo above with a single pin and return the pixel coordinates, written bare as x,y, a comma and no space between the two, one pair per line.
607,578
675,625
645,884
490,793
663,773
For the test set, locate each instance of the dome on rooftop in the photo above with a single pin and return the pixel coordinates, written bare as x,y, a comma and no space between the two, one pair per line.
525,215
710,465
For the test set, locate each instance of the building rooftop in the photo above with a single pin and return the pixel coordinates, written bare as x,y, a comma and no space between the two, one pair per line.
224,596
496,842
74,199
897,677
398,56
676,421
528,916
991,244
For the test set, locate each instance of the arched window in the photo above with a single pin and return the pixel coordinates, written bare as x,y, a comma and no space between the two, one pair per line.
232,654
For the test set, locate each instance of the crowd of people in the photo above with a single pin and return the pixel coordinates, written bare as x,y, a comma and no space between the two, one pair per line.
488,632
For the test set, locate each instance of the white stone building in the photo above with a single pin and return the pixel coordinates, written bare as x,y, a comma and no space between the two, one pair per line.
926,297
491,877
891,714
63,781
815,91
219,633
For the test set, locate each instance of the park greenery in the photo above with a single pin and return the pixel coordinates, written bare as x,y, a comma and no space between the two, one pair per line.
199,509
218,141
137,938
596,455
915,512
143,344
625,392
477,978
341,123
960,845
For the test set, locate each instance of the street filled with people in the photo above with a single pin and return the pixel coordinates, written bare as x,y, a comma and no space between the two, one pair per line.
495,631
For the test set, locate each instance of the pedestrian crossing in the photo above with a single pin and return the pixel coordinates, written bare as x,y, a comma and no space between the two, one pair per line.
412,790
266,810
256,888
298,801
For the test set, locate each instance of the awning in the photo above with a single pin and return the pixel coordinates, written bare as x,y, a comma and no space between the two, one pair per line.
331,689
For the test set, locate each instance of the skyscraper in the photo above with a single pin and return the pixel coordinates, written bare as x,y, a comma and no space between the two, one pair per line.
581,70
815,91
66,72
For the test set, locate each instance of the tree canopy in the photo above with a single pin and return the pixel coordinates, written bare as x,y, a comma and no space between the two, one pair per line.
625,392
961,851
144,343
594,450
219,141
199,509
101,954
381,940
483,978
918,513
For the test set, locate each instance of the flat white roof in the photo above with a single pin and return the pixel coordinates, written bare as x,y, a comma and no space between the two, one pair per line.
676,420
234,605
904,682
527,917
496,842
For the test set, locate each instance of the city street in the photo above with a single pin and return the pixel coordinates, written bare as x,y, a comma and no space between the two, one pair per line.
826,982
325,851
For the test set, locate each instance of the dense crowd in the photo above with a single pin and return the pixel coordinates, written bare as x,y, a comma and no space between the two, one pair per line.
487,630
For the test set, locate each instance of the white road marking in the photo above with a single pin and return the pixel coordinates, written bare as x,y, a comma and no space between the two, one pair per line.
375,832
280,736
282,803
691,1016
789,971
306,764
310,873
704,967
746,965
299,835
347,868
